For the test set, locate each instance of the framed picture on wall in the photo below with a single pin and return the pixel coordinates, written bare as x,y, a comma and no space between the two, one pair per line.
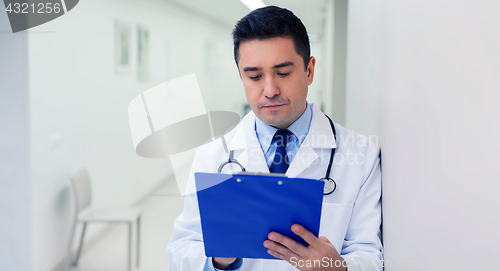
123,44
142,54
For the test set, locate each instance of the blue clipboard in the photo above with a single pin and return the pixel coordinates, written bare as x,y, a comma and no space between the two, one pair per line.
239,211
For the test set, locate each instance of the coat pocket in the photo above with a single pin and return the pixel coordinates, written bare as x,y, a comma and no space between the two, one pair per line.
335,220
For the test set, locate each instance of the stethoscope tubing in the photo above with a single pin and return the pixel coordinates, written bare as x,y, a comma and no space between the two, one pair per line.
230,160
330,163
327,180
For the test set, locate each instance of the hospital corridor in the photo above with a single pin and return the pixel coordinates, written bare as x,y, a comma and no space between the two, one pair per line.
109,251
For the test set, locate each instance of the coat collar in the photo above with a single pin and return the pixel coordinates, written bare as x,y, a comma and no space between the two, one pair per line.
320,135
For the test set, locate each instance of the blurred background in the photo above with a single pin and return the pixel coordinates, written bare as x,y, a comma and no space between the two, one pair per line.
420,76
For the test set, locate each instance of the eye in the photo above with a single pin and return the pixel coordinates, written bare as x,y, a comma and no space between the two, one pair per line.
283,74
255,78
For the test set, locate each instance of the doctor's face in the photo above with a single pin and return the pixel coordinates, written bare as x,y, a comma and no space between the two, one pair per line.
275,79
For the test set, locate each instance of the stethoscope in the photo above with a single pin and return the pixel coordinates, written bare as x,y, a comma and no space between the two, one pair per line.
231,165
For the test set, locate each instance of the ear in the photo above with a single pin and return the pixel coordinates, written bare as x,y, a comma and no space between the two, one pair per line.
310,70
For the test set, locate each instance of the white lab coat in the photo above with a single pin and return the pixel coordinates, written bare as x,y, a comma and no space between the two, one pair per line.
351,215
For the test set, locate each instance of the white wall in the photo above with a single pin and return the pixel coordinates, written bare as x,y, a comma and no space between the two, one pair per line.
15,185
334,60
315,90
78,105
424,77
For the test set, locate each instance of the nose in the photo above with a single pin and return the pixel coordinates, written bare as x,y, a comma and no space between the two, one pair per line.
271,89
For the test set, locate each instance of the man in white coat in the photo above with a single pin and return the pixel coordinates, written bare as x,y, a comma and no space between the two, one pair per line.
284,133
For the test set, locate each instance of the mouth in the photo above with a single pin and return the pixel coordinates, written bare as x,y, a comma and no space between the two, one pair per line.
272,106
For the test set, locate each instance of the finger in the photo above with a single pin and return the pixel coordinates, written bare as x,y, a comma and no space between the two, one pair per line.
289,243
308,236
292,261
281,251
276,254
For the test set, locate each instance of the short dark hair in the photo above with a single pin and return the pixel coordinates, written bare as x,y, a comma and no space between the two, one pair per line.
271,22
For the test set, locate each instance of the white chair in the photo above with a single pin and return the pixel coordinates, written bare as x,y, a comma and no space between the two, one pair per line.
84,213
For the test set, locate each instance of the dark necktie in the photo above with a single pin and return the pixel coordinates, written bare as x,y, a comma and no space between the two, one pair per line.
280,163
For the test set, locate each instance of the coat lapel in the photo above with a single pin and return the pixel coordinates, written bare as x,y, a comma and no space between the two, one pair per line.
320,136
245,143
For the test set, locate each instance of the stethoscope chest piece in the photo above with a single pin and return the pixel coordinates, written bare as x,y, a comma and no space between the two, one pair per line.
329,187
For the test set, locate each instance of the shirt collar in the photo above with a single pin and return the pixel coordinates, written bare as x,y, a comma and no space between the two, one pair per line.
299,128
